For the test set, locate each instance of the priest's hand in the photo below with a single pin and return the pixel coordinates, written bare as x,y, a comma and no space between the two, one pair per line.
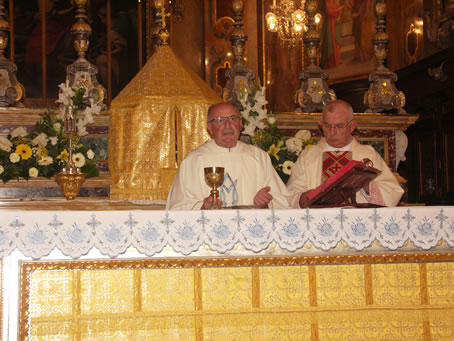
263,197
208,202
304,201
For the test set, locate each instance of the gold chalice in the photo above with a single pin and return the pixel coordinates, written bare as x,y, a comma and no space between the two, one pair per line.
214,177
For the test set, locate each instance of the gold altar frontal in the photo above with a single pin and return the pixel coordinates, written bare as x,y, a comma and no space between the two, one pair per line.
357,296
236,299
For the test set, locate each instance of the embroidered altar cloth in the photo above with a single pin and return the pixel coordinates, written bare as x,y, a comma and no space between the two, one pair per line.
37,233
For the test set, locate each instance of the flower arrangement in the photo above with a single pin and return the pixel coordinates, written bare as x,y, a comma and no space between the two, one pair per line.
44,150
261,130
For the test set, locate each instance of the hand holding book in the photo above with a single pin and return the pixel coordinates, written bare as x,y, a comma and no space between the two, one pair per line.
340,189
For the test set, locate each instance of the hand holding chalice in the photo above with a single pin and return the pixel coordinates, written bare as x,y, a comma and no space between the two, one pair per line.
214,177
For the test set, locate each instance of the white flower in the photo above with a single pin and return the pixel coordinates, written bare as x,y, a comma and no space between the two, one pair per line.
14,157
33,172
287,167
83,117
261,125
249,129
40,140
1,169
81,128
79,160
260,99
53,140
303,135
294,145
5,144
65,94
19,131
57,127
45,161
271,120
262,113
94,108
90,154
244,99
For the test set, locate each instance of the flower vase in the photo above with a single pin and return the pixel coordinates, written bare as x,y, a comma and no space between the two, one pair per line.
70,183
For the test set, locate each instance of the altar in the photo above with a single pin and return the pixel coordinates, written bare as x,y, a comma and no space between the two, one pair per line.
129,270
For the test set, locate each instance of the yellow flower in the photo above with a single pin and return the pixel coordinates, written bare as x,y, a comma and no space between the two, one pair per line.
274,150
63,156
24,151
42,152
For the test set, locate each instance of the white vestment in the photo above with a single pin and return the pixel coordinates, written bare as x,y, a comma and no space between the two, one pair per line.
307,174
247,170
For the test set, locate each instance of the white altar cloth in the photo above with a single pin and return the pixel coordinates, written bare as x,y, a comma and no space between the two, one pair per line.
147,233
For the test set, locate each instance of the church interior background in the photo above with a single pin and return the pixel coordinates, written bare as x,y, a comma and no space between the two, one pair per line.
159,65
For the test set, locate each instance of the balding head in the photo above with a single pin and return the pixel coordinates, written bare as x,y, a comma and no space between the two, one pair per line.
338,123
338,105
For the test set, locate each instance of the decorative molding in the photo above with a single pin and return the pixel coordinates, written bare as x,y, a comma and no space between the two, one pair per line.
28,267
372,121
29,116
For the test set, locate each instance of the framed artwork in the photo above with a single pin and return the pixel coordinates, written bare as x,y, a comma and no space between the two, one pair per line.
59,50
347,29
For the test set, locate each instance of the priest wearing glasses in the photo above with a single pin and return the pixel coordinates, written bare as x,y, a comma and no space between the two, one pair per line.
249,177
317,163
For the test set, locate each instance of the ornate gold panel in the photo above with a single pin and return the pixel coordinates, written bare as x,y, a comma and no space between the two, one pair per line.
295,298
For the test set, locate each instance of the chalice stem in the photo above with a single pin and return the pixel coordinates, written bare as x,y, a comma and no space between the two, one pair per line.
215,195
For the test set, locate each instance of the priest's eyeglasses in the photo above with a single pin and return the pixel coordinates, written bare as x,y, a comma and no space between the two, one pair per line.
339,126
223,119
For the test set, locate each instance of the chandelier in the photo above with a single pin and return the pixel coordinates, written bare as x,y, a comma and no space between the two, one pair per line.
288,19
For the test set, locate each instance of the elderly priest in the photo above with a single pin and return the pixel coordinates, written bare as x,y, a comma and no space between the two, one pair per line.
319,162
249,176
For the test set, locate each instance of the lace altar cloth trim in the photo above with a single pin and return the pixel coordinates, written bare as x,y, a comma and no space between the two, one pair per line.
75,233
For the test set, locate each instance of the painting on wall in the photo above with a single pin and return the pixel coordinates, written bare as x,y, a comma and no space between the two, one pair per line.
347,29
59,51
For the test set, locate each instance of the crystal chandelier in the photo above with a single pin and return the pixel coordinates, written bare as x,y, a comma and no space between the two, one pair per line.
288,19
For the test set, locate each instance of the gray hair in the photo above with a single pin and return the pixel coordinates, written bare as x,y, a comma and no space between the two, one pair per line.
336,104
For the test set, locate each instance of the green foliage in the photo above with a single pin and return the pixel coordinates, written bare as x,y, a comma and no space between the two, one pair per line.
42,152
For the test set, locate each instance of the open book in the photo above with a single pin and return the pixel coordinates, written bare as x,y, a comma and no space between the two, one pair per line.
341,188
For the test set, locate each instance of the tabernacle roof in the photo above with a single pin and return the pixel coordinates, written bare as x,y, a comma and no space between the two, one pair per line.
154,122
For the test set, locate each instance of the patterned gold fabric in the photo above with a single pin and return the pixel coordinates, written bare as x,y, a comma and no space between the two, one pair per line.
155,121
398,301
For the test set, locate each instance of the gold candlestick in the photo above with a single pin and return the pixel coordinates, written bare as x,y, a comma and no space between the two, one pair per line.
70,179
